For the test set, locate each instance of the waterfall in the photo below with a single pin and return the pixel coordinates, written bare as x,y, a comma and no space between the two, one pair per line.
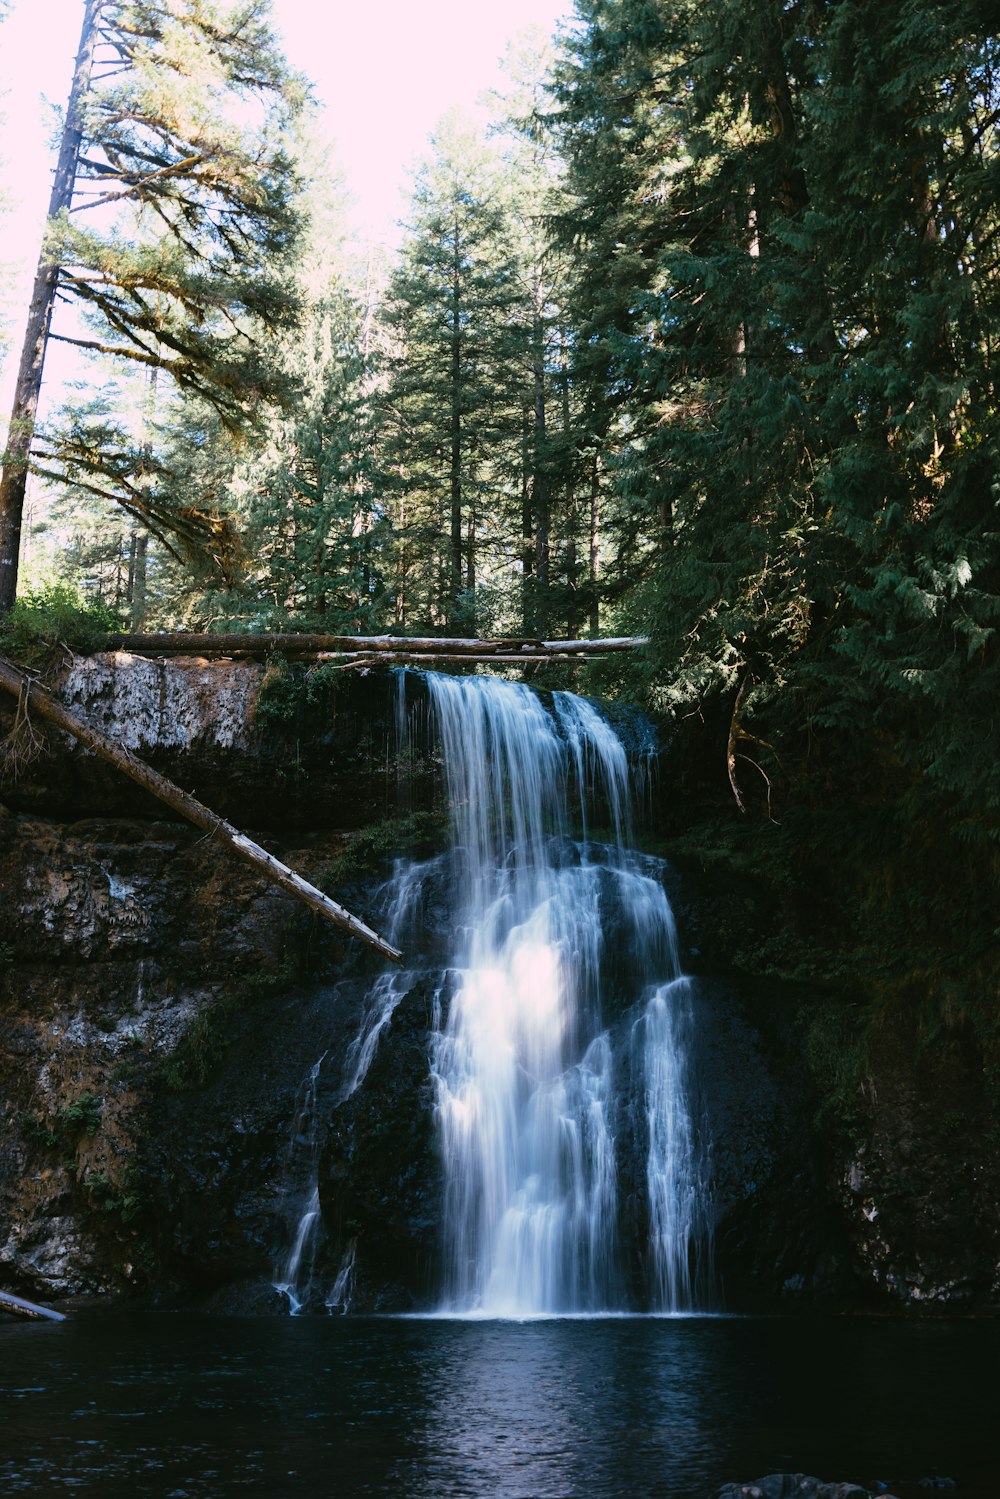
575,1172
548,930
294,1272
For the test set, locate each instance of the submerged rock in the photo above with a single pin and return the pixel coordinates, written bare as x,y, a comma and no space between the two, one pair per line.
796,1486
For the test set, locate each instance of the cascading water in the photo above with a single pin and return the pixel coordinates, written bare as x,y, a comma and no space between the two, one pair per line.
295,1269
574,1174
528,1082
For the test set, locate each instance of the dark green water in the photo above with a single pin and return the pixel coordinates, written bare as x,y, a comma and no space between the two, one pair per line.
170,1406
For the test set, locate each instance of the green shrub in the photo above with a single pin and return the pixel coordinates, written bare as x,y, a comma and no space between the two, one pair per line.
57,615
126,1201
420,834
82,1116
837,1050
201,1047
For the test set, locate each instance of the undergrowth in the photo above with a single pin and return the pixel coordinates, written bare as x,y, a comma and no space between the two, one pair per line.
53,618
419,834
287,691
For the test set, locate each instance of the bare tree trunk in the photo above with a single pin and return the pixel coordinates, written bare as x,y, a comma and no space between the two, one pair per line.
137,578
14,477
31,695
595,546
470,614
573,619
539,483
140,537
527,528
456,433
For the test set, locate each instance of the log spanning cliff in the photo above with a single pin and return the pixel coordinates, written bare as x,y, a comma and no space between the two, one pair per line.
346,651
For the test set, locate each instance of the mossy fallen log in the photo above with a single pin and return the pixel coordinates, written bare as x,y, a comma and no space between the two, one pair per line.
34,698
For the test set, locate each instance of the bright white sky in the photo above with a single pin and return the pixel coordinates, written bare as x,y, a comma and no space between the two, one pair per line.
385,70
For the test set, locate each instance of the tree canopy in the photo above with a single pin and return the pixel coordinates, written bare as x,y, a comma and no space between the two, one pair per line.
697,342
172,223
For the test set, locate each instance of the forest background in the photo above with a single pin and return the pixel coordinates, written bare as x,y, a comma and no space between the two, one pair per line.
697,339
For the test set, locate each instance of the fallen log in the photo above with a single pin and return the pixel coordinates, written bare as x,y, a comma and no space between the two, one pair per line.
21,1308
342,660
178,643
31,695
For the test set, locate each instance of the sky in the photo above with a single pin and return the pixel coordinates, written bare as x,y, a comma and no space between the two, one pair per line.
383,70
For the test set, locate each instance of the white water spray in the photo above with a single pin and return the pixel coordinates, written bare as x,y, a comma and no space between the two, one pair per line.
560,1031
524,1065
295,1271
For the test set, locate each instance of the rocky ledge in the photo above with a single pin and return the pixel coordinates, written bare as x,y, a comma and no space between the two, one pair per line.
801,1486
160,1007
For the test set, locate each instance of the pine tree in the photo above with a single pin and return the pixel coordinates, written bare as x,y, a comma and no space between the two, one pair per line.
786,217
451,387
552,466
308,512
173,150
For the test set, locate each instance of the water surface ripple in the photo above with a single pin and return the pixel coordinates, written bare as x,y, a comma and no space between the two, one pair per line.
175,1406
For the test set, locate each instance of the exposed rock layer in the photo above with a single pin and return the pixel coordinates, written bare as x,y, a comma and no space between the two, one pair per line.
160,1008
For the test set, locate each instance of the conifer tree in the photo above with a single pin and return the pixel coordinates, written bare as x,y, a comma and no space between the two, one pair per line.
551,459
788,289
452,383
171,218
311,524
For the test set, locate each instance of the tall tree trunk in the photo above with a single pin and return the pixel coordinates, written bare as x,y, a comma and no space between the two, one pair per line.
595,546
137,579
456,431
402,569
471,545
539,485
140,537
527,527
14,477
573,620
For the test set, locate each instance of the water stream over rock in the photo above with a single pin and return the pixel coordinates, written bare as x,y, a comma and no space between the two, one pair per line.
575,1168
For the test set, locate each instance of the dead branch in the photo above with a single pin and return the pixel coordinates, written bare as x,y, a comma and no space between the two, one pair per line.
734,733
15,682
18,1307
23,744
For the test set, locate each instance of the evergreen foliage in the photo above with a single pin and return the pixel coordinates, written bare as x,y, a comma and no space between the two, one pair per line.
700,343
53,620
785,219
175,252
451,396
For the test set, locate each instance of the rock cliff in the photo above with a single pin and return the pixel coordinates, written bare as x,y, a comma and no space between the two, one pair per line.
160,1007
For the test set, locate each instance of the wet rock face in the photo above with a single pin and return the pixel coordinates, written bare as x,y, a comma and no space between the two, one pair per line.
381,1181
159,706
260,744
777,1240
143,1102
921,1195
158,1002
160,1007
